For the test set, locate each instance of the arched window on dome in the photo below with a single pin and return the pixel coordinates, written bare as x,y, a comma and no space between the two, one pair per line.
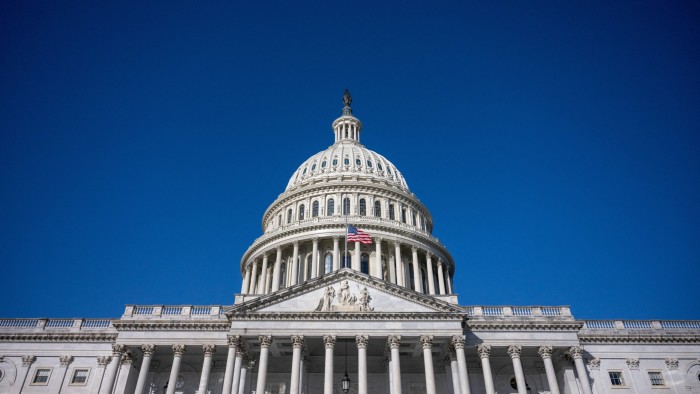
358,162
379,165
335,161
346,161
302,211
289,216
413,217
363,207
309,262
391,212
314,209
283,275
313,167
279,220
323,163
377,209
328,263
369,164
364,263
403,215
346,260
346,206
330,207
412,277
423,281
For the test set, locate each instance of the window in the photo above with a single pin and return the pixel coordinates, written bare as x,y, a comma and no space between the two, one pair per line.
403,215
279,220
412,278
335,162
388,169
346,260
423,281
302,211
616,378
289,216
363,207
656,378
346,161
41,376
364,263
379,165
314,209
377,209
329,263
304,173
313,167
80,376
358,162
283,276
330,208
391,211
323,164
346,206
309,265
369,164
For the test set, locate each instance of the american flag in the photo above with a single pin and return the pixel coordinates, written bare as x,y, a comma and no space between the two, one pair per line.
355,235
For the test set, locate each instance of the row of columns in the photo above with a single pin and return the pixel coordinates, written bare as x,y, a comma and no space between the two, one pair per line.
269,278
237,363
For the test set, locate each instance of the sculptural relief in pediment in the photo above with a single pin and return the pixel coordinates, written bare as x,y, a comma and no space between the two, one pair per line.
343,300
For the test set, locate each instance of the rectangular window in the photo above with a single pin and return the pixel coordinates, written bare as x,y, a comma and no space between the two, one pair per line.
616,378
656,379
80,376
41,376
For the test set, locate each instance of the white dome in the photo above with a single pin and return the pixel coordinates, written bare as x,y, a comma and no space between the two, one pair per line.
347,158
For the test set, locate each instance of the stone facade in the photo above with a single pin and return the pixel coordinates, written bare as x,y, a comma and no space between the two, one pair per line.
314,310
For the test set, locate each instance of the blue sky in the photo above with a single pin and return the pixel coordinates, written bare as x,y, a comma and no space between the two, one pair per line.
556,145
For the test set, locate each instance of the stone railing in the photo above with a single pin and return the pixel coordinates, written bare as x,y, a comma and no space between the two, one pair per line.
55,324
520,311
211,312
632,325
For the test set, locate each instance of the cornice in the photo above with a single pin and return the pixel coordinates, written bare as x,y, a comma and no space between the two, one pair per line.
170,325
540,324
59,337
346,316
588,338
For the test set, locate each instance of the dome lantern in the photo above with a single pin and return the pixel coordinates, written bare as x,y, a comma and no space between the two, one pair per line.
347,127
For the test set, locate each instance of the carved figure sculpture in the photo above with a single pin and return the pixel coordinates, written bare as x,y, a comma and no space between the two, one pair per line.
325,304
365,298
346,298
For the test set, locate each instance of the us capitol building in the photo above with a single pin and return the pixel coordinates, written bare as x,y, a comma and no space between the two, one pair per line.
316,314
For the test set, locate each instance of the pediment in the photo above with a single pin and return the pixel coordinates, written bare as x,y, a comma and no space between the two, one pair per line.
342,292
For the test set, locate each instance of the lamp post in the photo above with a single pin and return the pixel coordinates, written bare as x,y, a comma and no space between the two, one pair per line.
346,380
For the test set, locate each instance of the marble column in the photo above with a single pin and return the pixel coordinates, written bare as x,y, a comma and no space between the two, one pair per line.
314,257
233,343
356,258
546,353
577,353
441,277
394,345
246,280
454,371
263,287
238,367
392,269
336,253
329,343
431,279
178,351
361,341
276,272
246,365
426,342
111,372
400,273
254,278
102,362
295,264
206,368
64,362
449,282
484,353
297,345
458,344
265,342
147,350
514,352
416,270
378,272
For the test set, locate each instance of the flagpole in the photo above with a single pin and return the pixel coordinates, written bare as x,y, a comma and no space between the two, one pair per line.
345,254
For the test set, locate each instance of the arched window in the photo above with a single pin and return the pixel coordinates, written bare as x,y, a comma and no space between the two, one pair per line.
279,220
403,215
379,165
313,167
413,217
411,276
346,260
363,207
314,209
358,162
289,216
377,209
329,263
391,211
346,161
369,163
283,276
346,206
335,161
423,281
309,262
301,212
330,208
364,263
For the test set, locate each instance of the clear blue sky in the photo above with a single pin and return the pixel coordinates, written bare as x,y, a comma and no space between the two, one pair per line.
556,145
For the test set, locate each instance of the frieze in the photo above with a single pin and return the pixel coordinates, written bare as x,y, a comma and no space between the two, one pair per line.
170,325
345,300
58,337
665,338
350,316
529,325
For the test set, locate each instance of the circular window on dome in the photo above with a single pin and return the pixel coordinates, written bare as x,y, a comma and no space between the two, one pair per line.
369,164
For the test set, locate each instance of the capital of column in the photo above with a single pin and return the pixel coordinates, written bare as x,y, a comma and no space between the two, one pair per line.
398,243
208,349
329,341
28,360
428,254
65,360
103,360
394,341
178,350
295,244
484,350
118,349
148,349
458,341
314,240
576,352
128,358
378,240
514,351
632,363
414,249
234,340
362,341
265,340
247,267
545,352
451,353
426,341
297,341
336,238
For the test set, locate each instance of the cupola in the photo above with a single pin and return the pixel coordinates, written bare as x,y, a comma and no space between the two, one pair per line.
347,127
